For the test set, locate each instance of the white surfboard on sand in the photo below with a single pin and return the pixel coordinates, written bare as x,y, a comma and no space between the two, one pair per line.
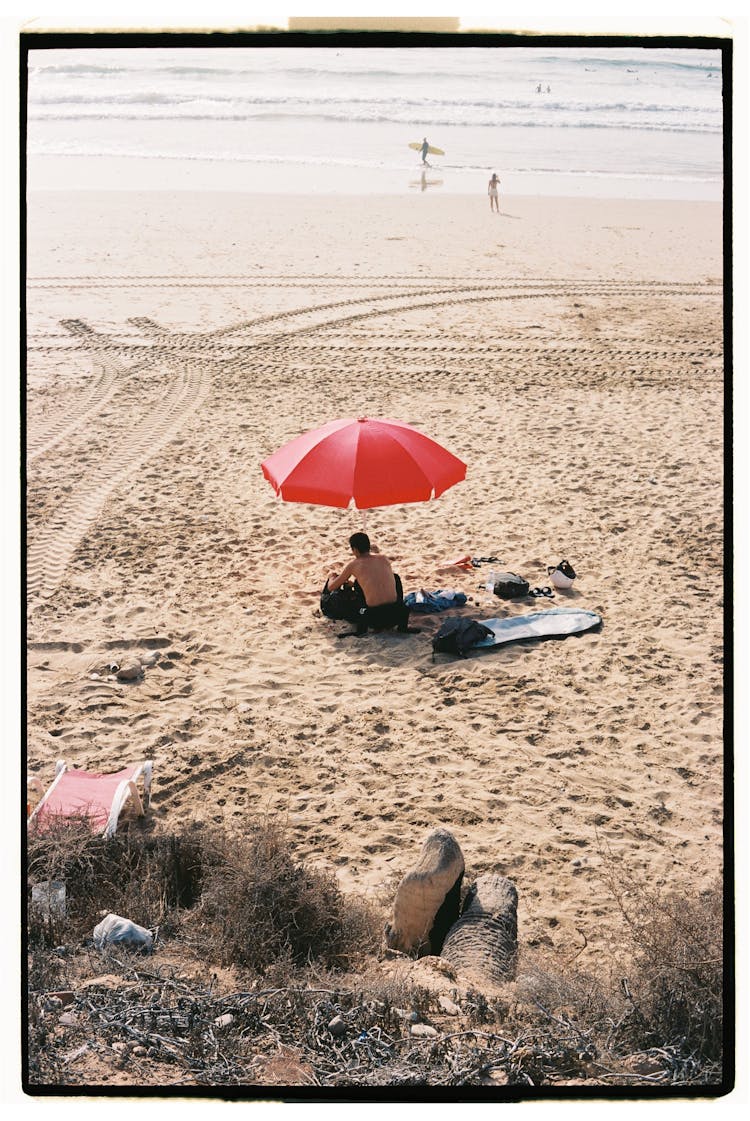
541,624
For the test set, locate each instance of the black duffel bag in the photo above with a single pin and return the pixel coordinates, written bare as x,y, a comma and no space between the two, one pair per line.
344,603
508,585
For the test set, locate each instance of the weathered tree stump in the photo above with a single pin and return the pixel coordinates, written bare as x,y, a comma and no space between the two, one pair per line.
485,938
428,898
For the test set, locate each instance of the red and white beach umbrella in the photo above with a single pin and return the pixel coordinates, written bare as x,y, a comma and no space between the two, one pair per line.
364,463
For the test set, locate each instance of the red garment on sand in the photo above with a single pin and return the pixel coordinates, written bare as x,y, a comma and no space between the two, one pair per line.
84,793
459,562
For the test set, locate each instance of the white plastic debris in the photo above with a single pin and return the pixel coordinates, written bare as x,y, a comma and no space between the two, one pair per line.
115,930
48,897
76,1054
448,1006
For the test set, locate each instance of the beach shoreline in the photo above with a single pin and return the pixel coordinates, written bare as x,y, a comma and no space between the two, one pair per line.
300,179
570,352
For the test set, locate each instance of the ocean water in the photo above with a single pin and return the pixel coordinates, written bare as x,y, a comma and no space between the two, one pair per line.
633,121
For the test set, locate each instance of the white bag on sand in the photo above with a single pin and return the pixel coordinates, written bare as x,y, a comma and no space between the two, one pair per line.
115,929
561,575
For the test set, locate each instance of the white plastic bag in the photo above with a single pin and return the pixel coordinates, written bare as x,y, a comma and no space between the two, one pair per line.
113,929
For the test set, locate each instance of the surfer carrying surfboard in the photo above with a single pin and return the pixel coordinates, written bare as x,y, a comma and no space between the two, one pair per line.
492,191
425,149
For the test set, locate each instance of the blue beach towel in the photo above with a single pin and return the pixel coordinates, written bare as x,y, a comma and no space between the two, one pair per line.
429,602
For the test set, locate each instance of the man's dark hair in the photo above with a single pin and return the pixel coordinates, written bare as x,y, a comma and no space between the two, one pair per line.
360,542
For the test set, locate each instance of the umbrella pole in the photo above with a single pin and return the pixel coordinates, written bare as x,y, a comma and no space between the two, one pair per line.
353,511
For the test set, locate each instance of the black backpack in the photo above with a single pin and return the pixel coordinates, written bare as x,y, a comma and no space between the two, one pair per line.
510,586
458,635
345,603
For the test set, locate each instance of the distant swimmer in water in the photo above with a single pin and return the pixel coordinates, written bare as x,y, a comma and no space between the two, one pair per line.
425,149
492,191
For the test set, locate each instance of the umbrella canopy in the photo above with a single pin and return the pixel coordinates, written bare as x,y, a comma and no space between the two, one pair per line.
365,462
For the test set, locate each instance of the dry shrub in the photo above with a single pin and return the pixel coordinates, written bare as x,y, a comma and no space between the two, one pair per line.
664,995
675,988
566,993
389,993
145,878
244,900
260,907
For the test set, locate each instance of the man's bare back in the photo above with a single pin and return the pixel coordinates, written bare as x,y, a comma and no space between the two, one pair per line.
373,573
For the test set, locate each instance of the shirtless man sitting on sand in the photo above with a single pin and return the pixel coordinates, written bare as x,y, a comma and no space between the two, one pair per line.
372,571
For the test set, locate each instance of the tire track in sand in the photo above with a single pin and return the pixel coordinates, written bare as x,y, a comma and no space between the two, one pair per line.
579,290
50,552
42,439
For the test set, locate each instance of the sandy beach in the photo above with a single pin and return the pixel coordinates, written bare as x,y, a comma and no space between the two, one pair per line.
568,350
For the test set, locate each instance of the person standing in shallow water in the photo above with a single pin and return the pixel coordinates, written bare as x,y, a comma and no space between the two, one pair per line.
492,190
425,149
